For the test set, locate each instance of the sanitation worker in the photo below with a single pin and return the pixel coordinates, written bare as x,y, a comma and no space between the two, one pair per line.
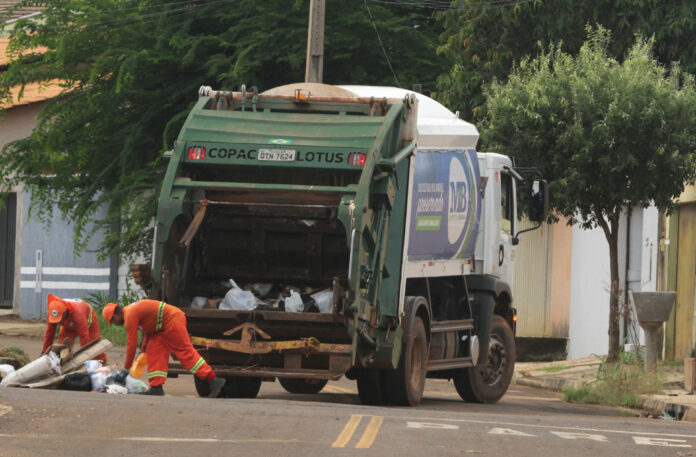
76,318
164,329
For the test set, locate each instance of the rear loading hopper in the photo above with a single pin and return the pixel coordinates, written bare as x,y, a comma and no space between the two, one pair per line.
297,192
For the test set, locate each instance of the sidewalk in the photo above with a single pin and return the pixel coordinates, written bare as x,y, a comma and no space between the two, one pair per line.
563,374
13,325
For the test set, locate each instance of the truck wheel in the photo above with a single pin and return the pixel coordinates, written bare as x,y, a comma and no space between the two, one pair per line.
406,383
302,386
241,387
488,382
370,386
202,386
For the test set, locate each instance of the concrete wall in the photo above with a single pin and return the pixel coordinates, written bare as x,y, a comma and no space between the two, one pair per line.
17,123
50,266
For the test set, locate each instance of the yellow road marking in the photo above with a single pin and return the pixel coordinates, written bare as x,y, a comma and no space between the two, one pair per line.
347,432
370,433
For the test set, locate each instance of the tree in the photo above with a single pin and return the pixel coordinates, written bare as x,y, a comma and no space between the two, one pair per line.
130,70
485,39
607,135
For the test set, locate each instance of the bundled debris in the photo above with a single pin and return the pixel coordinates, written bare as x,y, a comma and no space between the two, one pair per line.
61,368
269,297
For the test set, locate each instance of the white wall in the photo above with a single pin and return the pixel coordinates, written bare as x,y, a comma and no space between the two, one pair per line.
590,279
589,294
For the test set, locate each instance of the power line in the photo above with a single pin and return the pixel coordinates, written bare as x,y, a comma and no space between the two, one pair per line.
384,51
447,6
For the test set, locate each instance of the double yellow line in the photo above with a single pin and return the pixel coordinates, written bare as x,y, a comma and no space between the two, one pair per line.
368,436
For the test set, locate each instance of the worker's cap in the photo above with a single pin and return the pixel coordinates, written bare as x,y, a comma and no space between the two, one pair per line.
56,309
108,312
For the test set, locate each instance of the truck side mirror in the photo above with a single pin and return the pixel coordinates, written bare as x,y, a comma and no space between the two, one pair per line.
539,207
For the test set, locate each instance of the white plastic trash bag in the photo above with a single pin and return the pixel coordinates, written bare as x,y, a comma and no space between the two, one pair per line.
237,299
43,366
6,370
324,301
116,389
135,385
93,365
99,381
293,303
198,302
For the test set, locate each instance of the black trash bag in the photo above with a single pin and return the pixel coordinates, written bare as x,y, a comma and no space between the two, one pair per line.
310,306
76,381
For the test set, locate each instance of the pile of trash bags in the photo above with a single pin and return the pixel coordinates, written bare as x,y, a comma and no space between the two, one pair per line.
61,368
270,297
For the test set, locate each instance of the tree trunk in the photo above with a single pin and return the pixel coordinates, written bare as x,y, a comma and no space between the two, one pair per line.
611,230
615,293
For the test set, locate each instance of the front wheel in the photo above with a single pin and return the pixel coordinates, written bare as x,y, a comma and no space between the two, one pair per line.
488,382
302,386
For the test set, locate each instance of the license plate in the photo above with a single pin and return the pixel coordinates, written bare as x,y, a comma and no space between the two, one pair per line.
277,155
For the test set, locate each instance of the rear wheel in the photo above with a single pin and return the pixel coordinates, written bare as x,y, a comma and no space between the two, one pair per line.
302,386
241,387
406,383
370,386
488,382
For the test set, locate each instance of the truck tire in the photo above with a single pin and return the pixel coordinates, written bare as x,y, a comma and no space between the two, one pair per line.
241,387
302,386
488,382
370,386
405,385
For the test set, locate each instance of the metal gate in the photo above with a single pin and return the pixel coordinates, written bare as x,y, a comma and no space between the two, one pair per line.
8,223
686,277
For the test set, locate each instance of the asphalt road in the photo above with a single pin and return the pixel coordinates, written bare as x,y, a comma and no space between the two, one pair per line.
526,422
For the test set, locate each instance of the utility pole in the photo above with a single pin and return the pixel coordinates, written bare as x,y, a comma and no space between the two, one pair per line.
315,42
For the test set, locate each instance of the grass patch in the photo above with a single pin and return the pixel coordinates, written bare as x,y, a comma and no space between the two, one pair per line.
555,369
618,384
627,413
116,334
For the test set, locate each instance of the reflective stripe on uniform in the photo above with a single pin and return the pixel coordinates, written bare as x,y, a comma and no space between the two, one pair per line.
160,316
155,374
197,366
89,319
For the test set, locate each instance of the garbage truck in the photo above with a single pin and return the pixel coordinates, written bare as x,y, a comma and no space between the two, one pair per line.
312,231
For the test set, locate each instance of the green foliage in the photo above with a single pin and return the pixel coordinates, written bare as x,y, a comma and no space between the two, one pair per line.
131,70
618,384
116,334
554,368
485,39
606,135
16,353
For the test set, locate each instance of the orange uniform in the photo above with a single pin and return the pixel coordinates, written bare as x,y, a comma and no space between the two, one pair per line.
79,320
164,327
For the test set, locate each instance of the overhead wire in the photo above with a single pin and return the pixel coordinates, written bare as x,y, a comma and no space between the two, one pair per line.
379,38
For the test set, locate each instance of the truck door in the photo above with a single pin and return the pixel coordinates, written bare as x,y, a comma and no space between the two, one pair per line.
504,262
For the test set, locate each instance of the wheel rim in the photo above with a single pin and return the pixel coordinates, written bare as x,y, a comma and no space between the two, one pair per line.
416,363
496,362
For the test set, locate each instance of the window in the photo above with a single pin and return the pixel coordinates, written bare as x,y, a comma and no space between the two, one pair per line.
506,202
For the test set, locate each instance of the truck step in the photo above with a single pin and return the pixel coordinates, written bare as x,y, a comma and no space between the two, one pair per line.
451,326
449,364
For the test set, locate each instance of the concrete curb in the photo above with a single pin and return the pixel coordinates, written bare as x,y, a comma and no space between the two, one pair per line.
647,403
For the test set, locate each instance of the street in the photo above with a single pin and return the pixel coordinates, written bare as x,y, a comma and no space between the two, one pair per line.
526,422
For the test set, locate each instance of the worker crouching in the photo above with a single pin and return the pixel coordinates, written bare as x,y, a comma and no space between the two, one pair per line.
164,329
76,319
